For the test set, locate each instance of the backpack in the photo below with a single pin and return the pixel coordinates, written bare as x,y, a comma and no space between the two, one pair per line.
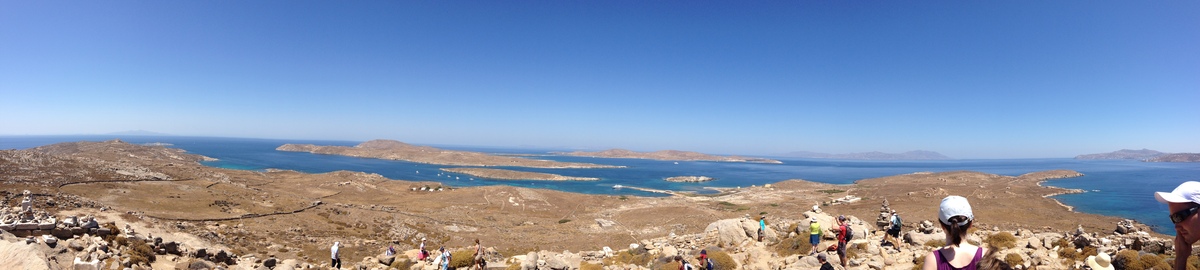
849,233
898,223
687,266
708,264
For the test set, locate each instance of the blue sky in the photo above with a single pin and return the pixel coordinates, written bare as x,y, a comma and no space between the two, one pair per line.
969,79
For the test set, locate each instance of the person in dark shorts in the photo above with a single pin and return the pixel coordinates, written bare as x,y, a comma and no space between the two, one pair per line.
842,241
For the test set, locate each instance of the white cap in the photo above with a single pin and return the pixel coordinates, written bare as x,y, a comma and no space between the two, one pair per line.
955,206
1187,192
814,219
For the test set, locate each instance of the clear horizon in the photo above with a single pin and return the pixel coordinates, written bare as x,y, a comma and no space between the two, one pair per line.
964,79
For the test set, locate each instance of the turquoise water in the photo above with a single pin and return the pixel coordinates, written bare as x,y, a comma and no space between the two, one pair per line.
1115,187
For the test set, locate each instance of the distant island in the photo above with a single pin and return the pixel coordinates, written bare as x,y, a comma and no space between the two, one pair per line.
1124,154
515,175
395,150
1177,157
666,155
138,133
689,179
910,155
1145,155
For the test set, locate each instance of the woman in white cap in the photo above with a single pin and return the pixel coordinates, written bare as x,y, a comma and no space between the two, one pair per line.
1100,262
956,217
1183,203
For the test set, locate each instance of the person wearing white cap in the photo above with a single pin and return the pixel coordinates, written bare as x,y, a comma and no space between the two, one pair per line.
814,234
956,217
1100,262
1183,203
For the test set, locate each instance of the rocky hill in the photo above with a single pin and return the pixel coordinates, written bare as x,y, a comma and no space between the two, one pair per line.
1123,154
910,155
1178,157
211,217
395,150
666,155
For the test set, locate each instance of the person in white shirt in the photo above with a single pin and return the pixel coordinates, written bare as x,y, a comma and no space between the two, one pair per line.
337,258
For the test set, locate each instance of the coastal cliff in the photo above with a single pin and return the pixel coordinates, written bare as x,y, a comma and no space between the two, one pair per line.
395,150
666,155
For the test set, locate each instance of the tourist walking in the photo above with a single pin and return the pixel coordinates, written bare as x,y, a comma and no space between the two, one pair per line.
478,255
423,254
762,227
814,234
336,256
391,249
893,229
704,260
444,258
956,218
843,238
1183,203
824,262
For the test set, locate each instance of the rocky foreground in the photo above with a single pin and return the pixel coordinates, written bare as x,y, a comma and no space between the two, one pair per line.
161,209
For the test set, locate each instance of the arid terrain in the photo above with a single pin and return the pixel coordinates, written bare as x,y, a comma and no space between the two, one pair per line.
297,216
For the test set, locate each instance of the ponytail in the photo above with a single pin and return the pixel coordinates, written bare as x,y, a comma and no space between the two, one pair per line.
954,232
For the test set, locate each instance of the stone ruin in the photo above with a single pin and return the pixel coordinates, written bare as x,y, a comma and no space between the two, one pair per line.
26,221
885,215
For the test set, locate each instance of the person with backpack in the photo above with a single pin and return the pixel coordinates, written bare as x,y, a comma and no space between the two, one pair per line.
444,259
893,229
845,233
706,261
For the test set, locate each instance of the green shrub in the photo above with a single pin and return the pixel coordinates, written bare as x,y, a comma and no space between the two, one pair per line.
1001,240
402,264
588,266
140,253
831,191
936,243
1130,259
511,266
561,221
462,259
1012,259
794,245
114,232
1062,242
673,265
629,257
722,260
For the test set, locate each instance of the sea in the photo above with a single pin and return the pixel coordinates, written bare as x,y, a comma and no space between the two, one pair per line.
1122,188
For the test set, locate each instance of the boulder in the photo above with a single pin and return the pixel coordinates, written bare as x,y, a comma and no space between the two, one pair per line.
61,233
387,260
171,247
200,253
916,238
75,245
200,265
86,265
530,262
103,232
729,231
270,262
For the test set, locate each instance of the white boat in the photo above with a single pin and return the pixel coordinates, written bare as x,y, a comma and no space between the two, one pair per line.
617,186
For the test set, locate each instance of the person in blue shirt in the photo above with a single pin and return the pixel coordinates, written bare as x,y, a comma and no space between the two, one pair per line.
762,227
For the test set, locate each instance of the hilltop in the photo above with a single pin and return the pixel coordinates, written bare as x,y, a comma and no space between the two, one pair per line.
910,155
250,219
395,150
668,155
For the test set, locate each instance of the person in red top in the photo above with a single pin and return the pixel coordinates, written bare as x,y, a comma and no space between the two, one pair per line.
841,238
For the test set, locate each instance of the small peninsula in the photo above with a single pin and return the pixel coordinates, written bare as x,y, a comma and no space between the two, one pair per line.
689,179
395,150
666,155
503,174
